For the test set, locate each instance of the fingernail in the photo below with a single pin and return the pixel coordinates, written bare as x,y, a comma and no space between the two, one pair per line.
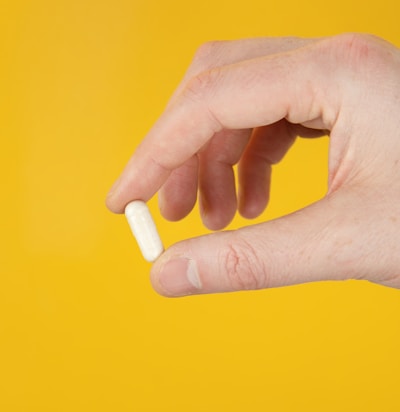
180,277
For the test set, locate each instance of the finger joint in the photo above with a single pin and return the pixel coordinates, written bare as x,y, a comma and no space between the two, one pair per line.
243,268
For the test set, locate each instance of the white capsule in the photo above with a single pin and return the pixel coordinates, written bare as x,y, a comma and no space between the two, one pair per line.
144,229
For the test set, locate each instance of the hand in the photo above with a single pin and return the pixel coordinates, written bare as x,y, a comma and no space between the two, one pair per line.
245,102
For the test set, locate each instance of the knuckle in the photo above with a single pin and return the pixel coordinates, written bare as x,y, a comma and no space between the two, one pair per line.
207,55
205,68
355,49
242,266
200,86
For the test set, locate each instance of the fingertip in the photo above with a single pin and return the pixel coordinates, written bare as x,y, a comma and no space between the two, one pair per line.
174,207
217,212
112,205
111,200
251,209
178,195
217,220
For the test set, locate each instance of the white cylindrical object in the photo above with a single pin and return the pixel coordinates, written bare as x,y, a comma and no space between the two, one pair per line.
144,229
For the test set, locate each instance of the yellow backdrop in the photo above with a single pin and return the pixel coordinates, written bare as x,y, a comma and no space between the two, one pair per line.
81,81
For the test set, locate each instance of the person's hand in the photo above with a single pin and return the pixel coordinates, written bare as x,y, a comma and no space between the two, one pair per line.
245,102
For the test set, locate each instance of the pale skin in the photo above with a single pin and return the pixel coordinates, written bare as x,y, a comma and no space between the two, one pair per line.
244,102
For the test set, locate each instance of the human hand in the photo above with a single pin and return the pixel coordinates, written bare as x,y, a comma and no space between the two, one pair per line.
245,102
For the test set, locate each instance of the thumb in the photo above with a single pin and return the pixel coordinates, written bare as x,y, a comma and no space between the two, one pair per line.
315,243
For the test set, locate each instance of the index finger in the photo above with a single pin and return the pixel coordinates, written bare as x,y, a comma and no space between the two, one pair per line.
295,85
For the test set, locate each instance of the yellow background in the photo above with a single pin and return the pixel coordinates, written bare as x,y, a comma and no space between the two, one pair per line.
81,81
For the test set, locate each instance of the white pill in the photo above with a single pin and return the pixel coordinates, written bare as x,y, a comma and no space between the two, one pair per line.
144,229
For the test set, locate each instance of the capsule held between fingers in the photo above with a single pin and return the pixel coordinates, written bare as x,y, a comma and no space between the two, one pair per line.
144,229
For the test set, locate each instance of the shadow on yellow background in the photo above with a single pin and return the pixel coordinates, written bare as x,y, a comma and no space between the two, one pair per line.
80,327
